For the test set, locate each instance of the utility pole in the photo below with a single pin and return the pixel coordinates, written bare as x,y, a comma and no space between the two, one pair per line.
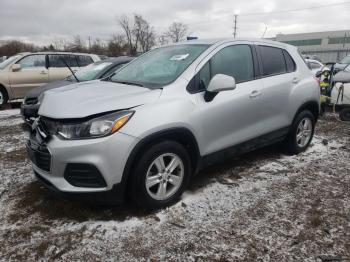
235,26
89,43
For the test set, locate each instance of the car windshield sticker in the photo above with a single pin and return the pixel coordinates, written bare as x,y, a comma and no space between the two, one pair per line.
179,57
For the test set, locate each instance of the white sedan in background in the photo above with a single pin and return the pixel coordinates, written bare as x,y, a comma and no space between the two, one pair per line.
315,66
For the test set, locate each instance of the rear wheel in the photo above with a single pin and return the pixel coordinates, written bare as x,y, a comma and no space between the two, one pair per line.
345,114
301,132
160,175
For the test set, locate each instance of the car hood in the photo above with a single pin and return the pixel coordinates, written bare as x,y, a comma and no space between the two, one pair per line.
94,97
41,89
340,66
342,76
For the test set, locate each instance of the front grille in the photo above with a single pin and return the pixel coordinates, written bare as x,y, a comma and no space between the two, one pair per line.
84,175
31,101
40,156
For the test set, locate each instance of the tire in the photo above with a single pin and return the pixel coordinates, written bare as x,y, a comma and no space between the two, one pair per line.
301,133
148,168
345,114
3,97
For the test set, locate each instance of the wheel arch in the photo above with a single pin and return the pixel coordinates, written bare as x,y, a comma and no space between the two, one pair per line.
313,106
3,88
181,135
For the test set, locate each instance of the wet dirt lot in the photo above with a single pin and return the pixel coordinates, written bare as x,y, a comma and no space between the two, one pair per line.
263,206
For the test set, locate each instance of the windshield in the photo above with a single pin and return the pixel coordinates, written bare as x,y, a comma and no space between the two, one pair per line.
345,60
89,72
8,61
160,66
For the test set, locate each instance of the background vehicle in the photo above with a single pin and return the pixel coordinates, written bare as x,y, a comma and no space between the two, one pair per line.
315,66
25,71
98,70
312,57
343,63
169,113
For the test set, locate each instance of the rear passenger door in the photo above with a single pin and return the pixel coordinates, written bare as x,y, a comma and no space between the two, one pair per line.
278,72
57,68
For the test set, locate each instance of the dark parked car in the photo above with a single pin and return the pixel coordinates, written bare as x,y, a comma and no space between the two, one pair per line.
98,70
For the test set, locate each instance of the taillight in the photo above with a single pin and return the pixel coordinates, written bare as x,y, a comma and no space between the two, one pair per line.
317,80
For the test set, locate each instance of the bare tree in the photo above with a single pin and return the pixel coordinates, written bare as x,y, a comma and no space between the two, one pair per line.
139,34
117,45
76,45
144,33
124,22
13,47
59,43
176,32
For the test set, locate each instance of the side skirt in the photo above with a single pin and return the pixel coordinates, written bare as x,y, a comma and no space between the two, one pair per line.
242,148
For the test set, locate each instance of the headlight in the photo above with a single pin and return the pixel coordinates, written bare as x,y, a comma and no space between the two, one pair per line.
96,127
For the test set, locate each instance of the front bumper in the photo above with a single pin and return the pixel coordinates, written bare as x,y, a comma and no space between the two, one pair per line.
108,154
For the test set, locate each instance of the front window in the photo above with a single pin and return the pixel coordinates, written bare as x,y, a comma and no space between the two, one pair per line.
160,66
8,61
90,72
32,62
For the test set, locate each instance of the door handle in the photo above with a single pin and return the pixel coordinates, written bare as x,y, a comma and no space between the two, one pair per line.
295,80
255,93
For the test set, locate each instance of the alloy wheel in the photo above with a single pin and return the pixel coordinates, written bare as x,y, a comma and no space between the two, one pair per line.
164,176
304,132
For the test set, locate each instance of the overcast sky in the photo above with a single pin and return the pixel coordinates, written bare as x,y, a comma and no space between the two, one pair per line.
41,21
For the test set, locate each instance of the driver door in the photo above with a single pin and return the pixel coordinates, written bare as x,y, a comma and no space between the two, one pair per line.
230,117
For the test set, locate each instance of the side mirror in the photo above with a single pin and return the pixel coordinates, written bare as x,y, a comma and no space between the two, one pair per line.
220,83
16,67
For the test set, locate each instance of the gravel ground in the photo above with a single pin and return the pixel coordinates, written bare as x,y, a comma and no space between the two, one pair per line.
263,206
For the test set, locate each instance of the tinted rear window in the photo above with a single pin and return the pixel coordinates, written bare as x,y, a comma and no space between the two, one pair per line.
272,60
291,67
58,60
84,60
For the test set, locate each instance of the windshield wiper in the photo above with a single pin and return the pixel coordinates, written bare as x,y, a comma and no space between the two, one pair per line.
128,83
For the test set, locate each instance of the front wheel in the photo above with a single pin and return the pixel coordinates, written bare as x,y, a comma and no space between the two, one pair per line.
301,132
3,98
160,175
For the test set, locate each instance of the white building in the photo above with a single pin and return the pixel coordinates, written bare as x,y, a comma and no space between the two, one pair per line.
328,46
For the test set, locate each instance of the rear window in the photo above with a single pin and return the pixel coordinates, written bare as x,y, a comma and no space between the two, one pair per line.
58,60
291,67
84,60
273,62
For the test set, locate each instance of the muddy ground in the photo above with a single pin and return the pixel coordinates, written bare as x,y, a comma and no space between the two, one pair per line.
263,206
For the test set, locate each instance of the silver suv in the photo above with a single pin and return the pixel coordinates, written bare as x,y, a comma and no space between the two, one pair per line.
176,109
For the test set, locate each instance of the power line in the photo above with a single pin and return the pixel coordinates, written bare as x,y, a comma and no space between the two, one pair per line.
295,10
268,13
